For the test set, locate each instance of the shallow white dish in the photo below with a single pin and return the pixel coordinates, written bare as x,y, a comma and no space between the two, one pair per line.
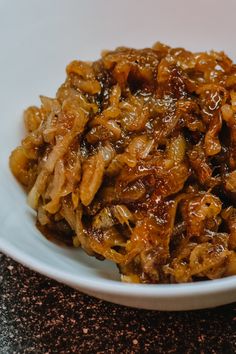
38,39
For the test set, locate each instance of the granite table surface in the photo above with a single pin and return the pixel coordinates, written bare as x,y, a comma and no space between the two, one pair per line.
39,315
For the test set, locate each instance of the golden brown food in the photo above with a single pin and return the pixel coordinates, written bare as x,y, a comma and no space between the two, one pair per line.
135,162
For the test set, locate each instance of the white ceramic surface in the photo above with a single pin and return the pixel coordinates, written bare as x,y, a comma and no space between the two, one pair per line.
38,39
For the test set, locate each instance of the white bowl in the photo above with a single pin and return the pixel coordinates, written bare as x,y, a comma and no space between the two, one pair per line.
38,39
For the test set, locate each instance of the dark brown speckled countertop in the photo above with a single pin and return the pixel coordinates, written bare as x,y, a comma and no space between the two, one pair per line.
39,315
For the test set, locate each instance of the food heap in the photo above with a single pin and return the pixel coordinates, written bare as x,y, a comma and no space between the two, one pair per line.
135,161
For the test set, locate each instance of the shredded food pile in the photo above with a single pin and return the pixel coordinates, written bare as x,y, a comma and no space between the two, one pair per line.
135,162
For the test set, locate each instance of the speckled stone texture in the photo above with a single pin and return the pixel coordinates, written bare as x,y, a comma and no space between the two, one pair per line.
39,315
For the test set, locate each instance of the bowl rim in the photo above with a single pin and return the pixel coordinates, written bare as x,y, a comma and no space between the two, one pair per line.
108,286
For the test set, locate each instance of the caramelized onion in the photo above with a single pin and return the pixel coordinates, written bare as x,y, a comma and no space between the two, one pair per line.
135,161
